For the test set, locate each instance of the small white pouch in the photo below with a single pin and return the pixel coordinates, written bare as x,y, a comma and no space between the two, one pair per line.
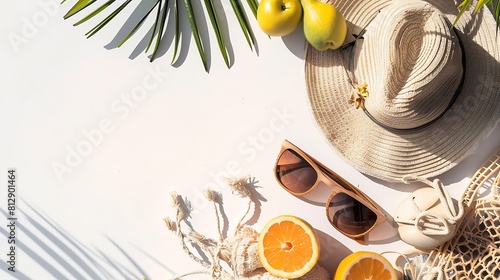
428,217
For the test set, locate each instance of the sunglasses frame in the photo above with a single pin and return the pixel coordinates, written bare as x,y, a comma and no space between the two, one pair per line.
337,184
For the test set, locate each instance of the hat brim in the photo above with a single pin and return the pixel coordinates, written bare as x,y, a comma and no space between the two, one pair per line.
427,151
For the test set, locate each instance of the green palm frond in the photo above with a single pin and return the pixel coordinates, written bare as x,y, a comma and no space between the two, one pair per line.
242,19
481,3
95,12
136,27
253,4
107,19
196,34
164,8
176,30
493,5
462,8
495,8
80,5
212,13
161,16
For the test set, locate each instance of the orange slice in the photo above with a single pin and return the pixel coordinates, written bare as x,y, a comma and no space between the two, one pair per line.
288,247
364,265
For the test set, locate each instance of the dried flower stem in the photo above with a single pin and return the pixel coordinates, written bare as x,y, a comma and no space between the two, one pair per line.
211,196
221,237
181,236
240,222
216,253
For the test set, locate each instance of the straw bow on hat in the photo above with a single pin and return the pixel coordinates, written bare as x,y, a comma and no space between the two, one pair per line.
412,94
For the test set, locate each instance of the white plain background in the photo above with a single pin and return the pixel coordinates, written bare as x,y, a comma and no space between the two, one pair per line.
103,217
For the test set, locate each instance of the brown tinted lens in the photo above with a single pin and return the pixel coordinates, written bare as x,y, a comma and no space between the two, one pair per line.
294,172
350,215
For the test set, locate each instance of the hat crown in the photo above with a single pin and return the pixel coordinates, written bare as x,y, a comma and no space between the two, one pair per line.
411,60
334,81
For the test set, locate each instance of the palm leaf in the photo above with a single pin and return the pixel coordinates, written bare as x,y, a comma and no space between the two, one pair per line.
496,13
495,9
94,13
481,3
242,19
462,8
216,26
253,4
176,28
80,5
136,27
160,23
196,34
157,23
160,31
103,23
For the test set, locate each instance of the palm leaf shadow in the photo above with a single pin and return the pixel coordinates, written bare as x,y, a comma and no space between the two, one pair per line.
166,41
163,32
60,254
142,8
167,38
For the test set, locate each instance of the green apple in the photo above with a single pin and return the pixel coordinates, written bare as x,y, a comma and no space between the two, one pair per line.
279,17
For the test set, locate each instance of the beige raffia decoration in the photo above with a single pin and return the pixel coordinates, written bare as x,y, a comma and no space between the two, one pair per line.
474,252
238,252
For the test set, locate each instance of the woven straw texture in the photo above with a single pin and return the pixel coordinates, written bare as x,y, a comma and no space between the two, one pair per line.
424,151
474,252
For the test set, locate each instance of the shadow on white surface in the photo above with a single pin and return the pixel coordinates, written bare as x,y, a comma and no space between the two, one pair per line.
134,18
384,233
185,33
58,255
296,42
332,251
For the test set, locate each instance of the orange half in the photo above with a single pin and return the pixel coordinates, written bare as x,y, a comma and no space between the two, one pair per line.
288,247
364,265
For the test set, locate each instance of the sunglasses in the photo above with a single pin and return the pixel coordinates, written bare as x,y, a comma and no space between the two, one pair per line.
348,209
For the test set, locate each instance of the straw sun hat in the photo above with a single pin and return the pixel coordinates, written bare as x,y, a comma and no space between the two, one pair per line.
433,90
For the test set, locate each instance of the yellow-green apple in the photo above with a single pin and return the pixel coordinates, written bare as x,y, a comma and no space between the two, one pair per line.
324,26
279,17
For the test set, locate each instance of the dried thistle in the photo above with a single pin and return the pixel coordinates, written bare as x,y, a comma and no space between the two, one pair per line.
229,257
170,224
210,194
175,199
182,207
239,186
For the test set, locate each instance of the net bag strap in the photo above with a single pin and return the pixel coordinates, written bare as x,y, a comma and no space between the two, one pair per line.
449,256
482,177
496,187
